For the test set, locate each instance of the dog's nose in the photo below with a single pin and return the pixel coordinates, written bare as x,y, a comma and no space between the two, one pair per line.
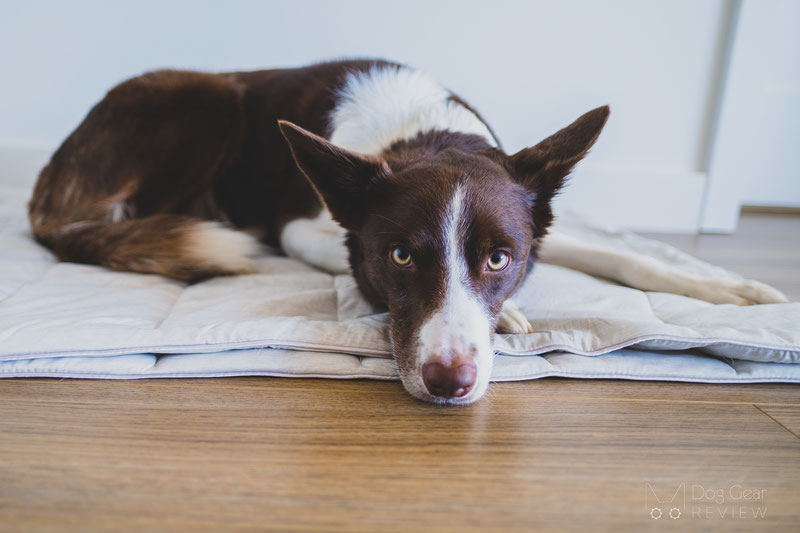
449,381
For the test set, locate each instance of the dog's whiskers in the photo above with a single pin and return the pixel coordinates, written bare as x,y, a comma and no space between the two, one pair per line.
392,221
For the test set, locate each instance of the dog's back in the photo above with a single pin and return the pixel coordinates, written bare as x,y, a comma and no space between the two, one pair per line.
167,162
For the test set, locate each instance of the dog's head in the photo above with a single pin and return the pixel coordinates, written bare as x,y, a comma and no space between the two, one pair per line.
441,231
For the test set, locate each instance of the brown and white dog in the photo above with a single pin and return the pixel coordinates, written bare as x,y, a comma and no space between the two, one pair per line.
362,166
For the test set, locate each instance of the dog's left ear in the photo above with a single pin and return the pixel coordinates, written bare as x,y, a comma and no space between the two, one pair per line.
341,177
543,168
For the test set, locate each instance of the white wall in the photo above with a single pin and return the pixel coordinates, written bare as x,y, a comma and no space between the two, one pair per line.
531,67
756,160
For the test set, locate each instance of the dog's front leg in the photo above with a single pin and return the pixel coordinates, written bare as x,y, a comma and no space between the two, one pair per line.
317,241
650,274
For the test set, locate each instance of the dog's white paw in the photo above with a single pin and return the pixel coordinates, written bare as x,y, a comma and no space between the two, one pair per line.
754,292
743,292
511,320
336,260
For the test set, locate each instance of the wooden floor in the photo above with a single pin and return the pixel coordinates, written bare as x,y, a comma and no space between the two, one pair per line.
253,454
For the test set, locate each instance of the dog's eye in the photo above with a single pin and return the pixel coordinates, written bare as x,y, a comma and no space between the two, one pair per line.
498,261
401,257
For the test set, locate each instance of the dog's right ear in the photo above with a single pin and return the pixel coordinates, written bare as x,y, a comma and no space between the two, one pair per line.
340,177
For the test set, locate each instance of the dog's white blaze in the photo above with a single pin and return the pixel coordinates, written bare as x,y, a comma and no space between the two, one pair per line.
461,325
387,104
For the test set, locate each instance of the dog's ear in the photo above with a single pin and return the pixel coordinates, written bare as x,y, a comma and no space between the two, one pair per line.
543,168
341,177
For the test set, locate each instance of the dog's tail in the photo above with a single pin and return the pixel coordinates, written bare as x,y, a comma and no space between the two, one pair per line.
181,247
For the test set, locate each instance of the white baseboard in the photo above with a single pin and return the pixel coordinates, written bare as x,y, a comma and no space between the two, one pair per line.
641,201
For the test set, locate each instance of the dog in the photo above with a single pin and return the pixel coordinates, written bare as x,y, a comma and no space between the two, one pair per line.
361,166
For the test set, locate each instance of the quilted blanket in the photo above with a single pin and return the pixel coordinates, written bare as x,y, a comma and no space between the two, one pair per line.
288,319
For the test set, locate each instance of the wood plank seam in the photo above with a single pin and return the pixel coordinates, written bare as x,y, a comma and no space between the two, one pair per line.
777,422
